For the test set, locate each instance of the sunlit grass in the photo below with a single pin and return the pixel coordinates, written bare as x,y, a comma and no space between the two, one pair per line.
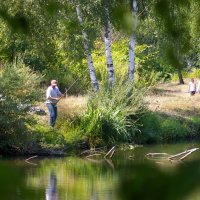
72,105
174,99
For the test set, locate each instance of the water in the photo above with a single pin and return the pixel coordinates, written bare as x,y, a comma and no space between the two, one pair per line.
75,178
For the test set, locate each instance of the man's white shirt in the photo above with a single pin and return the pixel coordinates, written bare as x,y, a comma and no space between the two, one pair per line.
52,92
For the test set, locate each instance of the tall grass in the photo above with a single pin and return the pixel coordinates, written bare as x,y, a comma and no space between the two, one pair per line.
111,116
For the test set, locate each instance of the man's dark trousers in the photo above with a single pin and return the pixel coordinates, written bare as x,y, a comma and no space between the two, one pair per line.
53,113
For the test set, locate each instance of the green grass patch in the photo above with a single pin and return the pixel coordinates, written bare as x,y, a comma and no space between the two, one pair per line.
172,129
159,128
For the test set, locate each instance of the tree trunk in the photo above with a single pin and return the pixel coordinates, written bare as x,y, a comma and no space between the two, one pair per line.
180,77
13,50
107,41
87,49
131,68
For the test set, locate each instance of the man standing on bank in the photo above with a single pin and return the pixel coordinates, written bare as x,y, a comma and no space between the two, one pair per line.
53,95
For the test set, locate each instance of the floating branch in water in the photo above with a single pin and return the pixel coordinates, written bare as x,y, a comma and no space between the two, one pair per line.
185,154
158,155
91,153
95,154
100,161
32,157
110,152
179,156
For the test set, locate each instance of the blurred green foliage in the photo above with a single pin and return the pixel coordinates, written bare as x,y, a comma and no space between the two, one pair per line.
147,182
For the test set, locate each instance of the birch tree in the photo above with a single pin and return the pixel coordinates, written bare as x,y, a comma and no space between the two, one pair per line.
107,41
88,52
132,43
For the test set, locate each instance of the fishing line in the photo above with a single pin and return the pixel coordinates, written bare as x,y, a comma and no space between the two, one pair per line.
67,89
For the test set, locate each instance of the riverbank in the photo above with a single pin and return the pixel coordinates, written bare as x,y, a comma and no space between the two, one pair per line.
171,115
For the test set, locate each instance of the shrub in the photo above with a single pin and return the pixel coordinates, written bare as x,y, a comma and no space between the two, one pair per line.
150,128
159,128
111,116
172,129
194,125
19,88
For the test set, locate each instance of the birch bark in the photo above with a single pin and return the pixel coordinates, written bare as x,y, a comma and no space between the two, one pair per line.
107,41
132,43
87,49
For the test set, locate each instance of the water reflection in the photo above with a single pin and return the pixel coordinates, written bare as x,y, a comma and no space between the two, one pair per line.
76,178
94,195
51,191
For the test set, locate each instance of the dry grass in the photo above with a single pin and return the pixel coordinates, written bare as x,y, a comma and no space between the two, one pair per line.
174,99
67,108
72,105
168,98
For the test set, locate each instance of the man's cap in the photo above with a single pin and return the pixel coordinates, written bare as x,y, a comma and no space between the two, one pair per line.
53,82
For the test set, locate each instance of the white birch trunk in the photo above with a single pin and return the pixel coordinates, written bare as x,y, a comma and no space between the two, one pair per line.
87,49
132,43
107,41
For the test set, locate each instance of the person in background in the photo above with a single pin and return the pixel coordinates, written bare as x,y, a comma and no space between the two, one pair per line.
53,95
192,87
198,86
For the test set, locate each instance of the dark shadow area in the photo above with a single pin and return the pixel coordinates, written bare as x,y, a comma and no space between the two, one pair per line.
150,182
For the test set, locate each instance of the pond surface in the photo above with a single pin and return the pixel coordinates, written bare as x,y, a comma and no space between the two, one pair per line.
75,178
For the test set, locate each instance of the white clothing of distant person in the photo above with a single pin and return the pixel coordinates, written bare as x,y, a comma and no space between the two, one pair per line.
192,87
198,87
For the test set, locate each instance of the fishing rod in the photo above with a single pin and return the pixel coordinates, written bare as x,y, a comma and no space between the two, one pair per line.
67,89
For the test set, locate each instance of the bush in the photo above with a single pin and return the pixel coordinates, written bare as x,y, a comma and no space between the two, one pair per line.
150,128
159,128
172,129
19,88
111,116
